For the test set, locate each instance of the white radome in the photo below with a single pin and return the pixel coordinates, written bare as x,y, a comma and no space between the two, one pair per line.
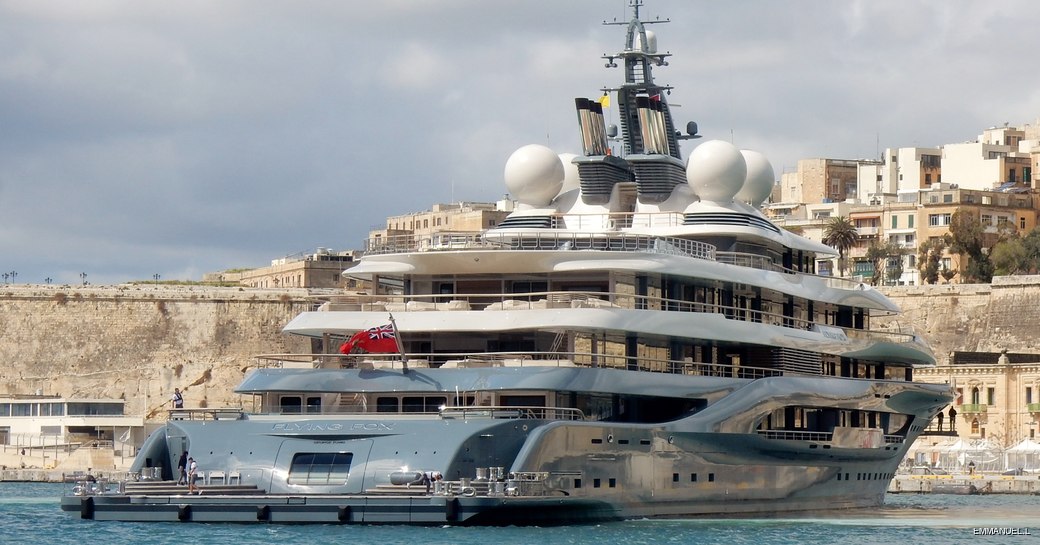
571,180
534,175
716,171
758,184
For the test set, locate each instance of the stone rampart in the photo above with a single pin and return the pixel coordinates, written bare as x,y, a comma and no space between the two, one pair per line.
972,317
140,342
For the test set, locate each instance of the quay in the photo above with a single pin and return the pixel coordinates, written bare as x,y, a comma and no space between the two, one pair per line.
964,483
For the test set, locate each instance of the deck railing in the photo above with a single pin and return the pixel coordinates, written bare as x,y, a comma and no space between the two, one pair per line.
797,435
512,412
515,359
219,413
587,299
583,240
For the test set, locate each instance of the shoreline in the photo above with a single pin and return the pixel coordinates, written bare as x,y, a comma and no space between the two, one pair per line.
966,484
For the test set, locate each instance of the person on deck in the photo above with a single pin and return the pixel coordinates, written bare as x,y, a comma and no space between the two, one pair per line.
193,475
182,469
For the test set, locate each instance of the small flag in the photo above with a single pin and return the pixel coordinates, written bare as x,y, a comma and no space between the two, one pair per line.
604,101
656,98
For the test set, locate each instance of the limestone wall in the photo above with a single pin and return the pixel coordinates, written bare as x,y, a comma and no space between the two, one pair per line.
972,317
140,342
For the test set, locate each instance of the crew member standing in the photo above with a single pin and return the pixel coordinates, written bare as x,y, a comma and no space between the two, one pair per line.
178,399
193,475
182,469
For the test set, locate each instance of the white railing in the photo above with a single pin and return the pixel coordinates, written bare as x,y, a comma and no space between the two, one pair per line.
491,302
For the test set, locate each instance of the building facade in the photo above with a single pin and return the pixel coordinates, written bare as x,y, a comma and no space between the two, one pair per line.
320,269
998,394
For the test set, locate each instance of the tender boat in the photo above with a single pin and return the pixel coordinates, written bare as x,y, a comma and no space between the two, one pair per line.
635,340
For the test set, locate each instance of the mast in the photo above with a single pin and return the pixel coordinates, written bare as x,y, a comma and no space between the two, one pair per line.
646,119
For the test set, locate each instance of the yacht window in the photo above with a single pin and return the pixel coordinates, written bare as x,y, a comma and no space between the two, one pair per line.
465,401
314,405
291,405
386,405
420,404
522,401
320,468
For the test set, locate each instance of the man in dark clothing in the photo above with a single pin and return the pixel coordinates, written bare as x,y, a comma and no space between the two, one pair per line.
953,418
182,466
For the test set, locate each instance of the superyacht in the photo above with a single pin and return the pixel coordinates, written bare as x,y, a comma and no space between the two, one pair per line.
634,340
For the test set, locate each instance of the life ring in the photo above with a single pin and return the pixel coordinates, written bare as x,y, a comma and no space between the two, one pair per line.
79,490
468,491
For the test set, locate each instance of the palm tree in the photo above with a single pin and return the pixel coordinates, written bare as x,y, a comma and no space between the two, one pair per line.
840,234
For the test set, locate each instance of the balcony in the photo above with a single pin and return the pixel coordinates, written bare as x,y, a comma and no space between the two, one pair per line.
974,408
1033,407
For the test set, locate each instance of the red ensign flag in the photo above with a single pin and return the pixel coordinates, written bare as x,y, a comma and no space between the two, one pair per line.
379,340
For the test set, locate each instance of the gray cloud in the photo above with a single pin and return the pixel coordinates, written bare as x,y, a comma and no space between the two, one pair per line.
179,138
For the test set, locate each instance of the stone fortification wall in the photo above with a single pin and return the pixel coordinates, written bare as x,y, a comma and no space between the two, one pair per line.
972,317
140,342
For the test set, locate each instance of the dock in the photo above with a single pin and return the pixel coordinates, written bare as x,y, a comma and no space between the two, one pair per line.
965,484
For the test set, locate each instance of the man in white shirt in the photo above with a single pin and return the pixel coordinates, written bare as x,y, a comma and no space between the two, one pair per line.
193,475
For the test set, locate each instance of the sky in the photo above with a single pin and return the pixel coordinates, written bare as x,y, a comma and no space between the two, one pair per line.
142,138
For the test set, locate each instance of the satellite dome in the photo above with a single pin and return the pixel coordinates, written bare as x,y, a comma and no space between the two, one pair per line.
570,173
716,171
651,42
534,175
758,184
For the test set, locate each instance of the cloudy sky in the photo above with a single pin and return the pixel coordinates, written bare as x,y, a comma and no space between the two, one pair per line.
178,138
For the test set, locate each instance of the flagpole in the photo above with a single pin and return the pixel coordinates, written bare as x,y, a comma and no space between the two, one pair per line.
400,345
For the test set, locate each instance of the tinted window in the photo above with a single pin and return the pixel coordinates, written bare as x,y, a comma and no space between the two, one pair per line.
321,468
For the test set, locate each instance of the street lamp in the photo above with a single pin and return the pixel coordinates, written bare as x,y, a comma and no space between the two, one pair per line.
83,277
48,280
156,276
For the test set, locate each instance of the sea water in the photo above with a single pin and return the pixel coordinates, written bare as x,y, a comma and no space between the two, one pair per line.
29,514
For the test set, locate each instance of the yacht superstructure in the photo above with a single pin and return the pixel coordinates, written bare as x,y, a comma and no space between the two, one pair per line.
635,340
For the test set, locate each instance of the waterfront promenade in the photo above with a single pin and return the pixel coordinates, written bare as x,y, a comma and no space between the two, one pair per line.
963,483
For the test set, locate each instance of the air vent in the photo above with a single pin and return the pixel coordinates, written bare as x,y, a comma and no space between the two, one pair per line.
658,178
734,219
526,222
797,361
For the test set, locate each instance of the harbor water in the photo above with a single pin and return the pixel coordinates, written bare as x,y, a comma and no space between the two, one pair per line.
29,513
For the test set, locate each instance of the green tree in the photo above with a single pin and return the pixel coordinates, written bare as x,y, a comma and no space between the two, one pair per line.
894,262
1010,257
967,239
928,260
881,255
840,234
1017,255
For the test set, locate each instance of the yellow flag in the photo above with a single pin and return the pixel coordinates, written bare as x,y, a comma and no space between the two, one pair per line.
604,101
